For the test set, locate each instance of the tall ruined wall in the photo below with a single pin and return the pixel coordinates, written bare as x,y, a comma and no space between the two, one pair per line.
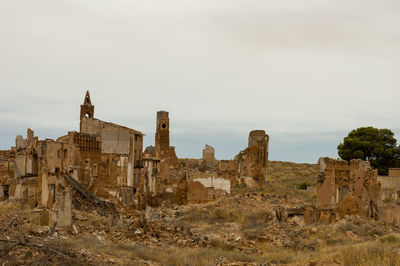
173,159
26,160
208,154
252,162
258,138
150,172
208,161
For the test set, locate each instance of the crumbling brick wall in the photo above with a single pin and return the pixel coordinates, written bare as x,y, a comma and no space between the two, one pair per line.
349,187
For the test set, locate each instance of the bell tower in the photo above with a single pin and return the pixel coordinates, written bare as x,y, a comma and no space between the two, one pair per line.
87,109
162,135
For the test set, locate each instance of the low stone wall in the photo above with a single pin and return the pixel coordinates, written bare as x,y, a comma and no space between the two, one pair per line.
216,183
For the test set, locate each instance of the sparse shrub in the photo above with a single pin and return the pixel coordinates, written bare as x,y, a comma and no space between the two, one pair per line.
366,230
218,243
374,254
28,254
378,231
254,224
282,256
303,186
222,216
390,239
346,227
388,199
241,186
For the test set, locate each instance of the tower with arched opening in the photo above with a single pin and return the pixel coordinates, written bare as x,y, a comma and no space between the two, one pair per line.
87,109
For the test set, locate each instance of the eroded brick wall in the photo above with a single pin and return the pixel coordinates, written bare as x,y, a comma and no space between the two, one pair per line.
350,187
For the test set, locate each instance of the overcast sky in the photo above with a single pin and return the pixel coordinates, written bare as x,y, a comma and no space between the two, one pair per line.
307,72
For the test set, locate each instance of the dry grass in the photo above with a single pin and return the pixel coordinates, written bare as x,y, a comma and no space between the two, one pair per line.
380,252
375,253
216,214
291,174
302,172
134,252
285,178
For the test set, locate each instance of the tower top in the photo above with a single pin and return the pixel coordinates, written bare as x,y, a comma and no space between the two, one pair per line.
87,108
87,100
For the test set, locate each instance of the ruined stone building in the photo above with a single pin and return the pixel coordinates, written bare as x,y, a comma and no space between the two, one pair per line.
347,187
103,157
249,167
252,162
105,161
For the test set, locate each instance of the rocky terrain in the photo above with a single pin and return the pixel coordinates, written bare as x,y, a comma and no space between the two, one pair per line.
251,226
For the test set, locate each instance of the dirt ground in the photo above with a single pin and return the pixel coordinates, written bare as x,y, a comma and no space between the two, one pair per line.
241,229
